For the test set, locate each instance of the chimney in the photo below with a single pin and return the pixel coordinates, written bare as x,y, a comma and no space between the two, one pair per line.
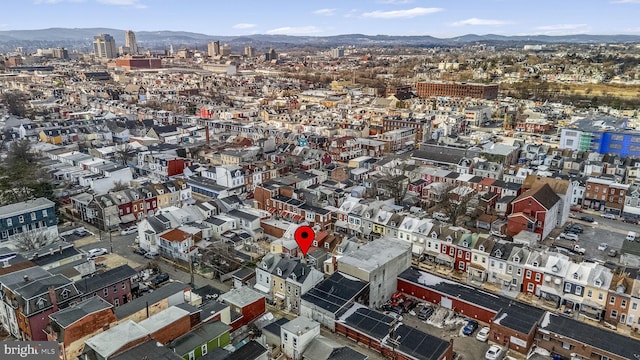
26,278
54,300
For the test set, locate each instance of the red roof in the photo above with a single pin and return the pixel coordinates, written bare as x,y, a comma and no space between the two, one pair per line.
175,235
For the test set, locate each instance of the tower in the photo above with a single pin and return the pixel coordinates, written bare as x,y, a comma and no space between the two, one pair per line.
213,48
130,42
104,46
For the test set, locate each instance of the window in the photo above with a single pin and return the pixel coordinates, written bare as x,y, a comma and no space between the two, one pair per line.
204,349
467,256
105,292
519,271
623,303
286,337
65,294
600,296
578,290
475,257
528,274
567,287
614,314
634,306
192,355
538,277
509,269
44,213
566,345
33,216
295,342
124,286
9,222
115,288
116,302
589,293
20,219
612,300
530,287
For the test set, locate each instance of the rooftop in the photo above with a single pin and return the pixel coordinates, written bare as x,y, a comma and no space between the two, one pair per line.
376,253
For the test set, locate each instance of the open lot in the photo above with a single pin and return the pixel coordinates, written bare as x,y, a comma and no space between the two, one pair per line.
467,347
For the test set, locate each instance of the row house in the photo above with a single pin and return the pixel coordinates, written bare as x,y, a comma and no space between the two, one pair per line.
281,201
623,299
585,289
35,217
113,286
160,165
604,195
108,211
345,148
554,272
478,268
28,302
534,273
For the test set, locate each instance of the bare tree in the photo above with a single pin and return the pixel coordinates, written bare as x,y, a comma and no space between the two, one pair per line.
454,206
119,186
395,186
16,103
32,240
124,153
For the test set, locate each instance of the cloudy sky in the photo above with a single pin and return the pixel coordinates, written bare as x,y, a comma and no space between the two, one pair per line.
441,18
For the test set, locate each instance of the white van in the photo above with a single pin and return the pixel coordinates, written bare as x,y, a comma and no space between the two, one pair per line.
631,236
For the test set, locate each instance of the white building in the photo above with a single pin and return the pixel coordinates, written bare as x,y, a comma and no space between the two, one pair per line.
379,263
296,335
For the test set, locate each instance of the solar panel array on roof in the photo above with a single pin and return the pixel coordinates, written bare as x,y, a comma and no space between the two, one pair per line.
370,322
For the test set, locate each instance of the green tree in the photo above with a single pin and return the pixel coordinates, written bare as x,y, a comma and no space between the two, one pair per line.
16,103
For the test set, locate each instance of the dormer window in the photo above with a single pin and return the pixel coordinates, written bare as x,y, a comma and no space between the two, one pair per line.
65,294
498,253
294,277
41,303
279,272
598,282
434,235
576,276
516,259
481,247
465,244
326,245
449,239
554,268
535,263
265,266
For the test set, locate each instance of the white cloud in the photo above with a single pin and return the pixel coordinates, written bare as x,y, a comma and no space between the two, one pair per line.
561,27
395,14
133,3
480,22
244,26
292,30
325,12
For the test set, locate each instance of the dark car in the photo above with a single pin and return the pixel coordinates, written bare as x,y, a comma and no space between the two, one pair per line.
471,326
576,229
425,313
630,220
139,251
409,305
159,279
587,219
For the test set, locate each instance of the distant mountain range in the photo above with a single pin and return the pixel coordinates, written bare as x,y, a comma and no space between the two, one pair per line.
84,37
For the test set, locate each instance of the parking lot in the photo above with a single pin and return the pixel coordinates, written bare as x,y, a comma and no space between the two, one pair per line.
445,324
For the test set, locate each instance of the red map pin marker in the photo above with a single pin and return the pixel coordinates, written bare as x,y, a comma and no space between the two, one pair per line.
304,236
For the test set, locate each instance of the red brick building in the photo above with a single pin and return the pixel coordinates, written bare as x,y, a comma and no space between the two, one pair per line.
246,302
454,89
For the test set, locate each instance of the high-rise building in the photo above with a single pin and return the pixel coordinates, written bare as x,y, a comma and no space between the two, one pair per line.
249,51
271,55
226,50
213,48
337,52
130,42
104,46
455,89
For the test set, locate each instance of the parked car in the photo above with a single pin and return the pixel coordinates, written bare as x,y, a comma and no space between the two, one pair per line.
130,230
409,305
159,279
425,312
630,220
151,255
574,228
602,246
94,253
394,315
576,209
587,219
613,252
470,327
569,236
608,216
494,353
483,334
139,251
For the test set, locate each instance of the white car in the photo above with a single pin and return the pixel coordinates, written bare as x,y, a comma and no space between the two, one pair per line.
608,216
602,246
130,230
93,253
483,334
494,353
394,315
